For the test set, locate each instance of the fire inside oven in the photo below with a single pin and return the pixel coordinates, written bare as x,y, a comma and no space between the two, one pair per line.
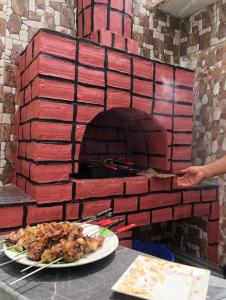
121,142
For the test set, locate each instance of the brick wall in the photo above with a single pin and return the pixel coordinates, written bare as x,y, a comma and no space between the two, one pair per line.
19,20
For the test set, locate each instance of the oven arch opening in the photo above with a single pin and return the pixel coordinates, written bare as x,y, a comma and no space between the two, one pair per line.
124,138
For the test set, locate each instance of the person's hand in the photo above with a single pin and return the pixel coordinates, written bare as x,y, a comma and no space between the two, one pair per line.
193,175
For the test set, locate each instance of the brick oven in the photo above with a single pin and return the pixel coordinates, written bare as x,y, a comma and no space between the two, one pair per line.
93,98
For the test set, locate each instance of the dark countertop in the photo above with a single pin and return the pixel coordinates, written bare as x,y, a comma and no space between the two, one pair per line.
12,195
93,281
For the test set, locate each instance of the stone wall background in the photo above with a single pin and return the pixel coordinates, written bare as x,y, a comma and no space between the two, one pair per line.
203,48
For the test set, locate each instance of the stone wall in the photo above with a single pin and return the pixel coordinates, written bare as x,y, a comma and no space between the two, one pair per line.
203,48
157,33
19,20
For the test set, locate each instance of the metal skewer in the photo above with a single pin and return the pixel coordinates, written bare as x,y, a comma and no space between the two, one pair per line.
36,271
10,261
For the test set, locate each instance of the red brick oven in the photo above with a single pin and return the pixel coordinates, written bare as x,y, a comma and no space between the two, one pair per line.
93,97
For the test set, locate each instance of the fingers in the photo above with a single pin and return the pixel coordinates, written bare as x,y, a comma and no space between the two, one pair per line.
185,181
184,171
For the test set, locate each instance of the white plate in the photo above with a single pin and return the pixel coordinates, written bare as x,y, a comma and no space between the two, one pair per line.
110,244
156,279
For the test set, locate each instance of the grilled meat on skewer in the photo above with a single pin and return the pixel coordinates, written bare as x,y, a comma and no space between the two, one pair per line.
71,250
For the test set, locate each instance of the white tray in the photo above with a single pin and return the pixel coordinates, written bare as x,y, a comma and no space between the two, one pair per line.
157,279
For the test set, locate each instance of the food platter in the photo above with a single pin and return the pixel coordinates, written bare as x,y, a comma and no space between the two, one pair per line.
110,244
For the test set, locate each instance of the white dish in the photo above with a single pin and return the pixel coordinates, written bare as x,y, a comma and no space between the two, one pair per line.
156,279
109,246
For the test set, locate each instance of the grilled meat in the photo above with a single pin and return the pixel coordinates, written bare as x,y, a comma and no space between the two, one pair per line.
49,241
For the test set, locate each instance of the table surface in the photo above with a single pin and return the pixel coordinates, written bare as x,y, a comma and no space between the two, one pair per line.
93,281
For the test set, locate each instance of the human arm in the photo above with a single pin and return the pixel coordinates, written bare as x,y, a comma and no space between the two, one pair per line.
196,174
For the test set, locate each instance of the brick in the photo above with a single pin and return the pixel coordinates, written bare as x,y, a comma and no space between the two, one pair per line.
22,149
79,133
140,219
183,124
191,196
56,67
45,152
54,44
132,46
163,92
52,89
209,195
120,42
118,80
117,4
142,104
213,232
41,110
94,207
116,22
117,147
182,212
26,131
184,95
72,211
87,113
91,55
178,166
142,68
22,62
93,146
213,255
128,27
201,209
51,131
100,20
27,94
21,182
142,87
186,110
159,200
164,73
184,77
90,95
163,106
165,121
158,184
182,138
50,193
128,7
105,37
93,77
48,173
136,185
25,168
161,215
28,53
125,204
117,98
11,216
215,211
182,153
98,188
87,22
43,214
119,62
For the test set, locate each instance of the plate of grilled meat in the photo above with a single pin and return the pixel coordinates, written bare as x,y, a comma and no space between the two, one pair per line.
60,244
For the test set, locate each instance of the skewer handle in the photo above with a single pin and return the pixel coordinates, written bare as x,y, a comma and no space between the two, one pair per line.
126,228
36,271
